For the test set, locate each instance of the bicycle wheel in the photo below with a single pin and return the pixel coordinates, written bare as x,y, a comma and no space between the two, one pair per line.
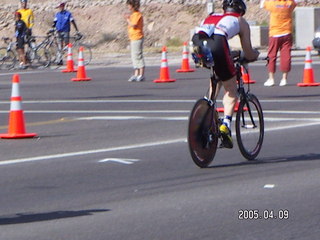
202,133
250,127
8,59
42,58
55,55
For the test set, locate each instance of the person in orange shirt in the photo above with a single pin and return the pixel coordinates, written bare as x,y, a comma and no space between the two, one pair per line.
135,32
280,37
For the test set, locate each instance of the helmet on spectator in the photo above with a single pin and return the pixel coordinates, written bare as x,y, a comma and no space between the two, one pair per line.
237,6
17,14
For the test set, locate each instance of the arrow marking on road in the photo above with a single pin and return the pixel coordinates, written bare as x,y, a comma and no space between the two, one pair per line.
120,160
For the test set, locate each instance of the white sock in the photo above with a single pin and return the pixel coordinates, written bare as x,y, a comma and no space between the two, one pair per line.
227,122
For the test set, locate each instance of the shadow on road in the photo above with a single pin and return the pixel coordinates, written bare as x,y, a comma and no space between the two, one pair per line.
39,217
278,159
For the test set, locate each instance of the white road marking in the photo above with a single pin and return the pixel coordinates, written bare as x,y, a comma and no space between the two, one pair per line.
133,118
20,73
303,122
152,111
109,101
154,101
289,126
120,160
127,147
184,118
269,186
81,153
103,111
291,112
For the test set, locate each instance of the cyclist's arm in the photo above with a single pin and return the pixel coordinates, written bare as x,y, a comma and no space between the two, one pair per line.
249,53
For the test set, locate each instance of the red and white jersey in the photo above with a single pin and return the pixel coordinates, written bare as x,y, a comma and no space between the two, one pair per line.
226,24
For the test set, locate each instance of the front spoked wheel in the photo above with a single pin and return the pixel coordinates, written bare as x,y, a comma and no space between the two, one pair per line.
8,59
202,133
250,127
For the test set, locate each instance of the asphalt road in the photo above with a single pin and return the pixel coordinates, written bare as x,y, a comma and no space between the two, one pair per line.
111,161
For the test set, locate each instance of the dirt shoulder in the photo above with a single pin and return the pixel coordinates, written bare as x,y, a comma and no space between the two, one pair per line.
105,28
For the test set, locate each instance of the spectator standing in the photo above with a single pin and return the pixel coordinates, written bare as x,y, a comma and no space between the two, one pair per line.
61,22
280,37
136,36
20,33
27,16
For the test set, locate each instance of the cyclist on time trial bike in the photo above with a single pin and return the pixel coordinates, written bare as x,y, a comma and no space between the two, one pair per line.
215,31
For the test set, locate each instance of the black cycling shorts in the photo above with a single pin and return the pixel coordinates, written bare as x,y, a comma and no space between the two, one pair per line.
20,42
223,62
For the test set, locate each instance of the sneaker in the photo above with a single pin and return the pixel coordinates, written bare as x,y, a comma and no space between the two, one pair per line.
269,83
132,79
140,78
226,136
60,63
23,67
283,82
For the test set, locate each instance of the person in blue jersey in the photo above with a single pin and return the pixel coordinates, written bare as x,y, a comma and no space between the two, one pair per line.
62,23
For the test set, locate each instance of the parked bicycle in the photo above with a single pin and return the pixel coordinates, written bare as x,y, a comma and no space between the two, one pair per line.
204,121
58,54
37,55
8,57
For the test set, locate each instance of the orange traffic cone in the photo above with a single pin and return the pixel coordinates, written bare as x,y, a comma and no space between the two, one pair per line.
246,76
164,71
16,118
81,74
185,67
308,76
70,63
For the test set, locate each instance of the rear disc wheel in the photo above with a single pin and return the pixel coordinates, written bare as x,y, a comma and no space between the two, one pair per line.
202,133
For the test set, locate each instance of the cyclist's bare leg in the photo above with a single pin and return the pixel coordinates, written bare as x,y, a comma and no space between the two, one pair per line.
230,97
229,101
218,86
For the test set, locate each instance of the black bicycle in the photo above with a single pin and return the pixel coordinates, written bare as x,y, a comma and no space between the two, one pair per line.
37,55
59,53
8,58
204,121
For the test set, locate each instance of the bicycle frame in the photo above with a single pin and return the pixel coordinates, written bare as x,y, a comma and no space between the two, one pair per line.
204,121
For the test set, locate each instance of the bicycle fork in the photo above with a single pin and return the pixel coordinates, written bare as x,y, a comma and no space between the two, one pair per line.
244,121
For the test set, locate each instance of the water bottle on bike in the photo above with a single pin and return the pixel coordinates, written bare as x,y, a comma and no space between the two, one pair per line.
207,54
